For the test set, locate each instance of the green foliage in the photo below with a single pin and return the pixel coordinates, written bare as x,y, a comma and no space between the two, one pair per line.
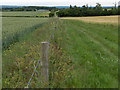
51,14
87,11
28,8
118,9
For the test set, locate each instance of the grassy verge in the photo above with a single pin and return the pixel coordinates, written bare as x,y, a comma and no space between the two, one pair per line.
21,59
93,49
81,55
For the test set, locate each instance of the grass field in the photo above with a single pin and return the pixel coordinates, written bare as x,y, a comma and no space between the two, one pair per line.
14,27
98,19
83,53
26,13
94,53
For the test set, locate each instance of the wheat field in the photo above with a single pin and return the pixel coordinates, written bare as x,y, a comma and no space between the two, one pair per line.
98,19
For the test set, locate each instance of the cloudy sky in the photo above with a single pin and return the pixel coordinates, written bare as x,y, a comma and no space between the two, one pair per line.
58,2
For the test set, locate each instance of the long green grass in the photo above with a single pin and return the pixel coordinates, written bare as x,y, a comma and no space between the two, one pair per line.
22,57
94,51
14,28
81,55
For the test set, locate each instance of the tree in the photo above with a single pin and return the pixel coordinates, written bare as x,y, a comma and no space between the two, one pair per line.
119,10
70,6
98,9
75,6
51,14
105,12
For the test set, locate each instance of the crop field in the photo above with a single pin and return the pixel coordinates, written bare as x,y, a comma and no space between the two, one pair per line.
97,19
26,13
14,27
81,54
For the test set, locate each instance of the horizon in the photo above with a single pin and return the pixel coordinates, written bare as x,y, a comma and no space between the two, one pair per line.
50,5
58,3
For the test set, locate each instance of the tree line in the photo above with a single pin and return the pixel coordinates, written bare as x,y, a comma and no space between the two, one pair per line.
29,8
98,10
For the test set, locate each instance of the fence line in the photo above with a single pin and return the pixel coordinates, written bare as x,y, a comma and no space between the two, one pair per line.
44,61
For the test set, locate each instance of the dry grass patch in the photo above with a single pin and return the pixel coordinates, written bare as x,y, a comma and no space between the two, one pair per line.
98,19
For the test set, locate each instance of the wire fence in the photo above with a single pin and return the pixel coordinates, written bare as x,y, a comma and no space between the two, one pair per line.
33,73
50,37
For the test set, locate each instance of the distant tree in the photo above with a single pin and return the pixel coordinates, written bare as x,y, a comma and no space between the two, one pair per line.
115,5
105,12
84,10
119,10
98,9
51,14
75,7
70,6
114,11
98,6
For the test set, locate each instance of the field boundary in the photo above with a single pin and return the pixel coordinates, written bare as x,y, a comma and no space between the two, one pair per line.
96,19
44,62
28,16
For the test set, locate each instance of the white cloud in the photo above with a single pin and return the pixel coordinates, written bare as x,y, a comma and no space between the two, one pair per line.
58,2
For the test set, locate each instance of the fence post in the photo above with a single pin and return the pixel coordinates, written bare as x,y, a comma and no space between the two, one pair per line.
44,64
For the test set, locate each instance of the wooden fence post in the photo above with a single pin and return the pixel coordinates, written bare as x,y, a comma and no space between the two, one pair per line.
44,64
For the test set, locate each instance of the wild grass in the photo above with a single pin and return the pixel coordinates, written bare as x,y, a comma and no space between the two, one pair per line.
81,55
94,50
21,58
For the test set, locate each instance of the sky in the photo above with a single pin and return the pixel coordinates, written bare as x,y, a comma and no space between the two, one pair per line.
58,2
